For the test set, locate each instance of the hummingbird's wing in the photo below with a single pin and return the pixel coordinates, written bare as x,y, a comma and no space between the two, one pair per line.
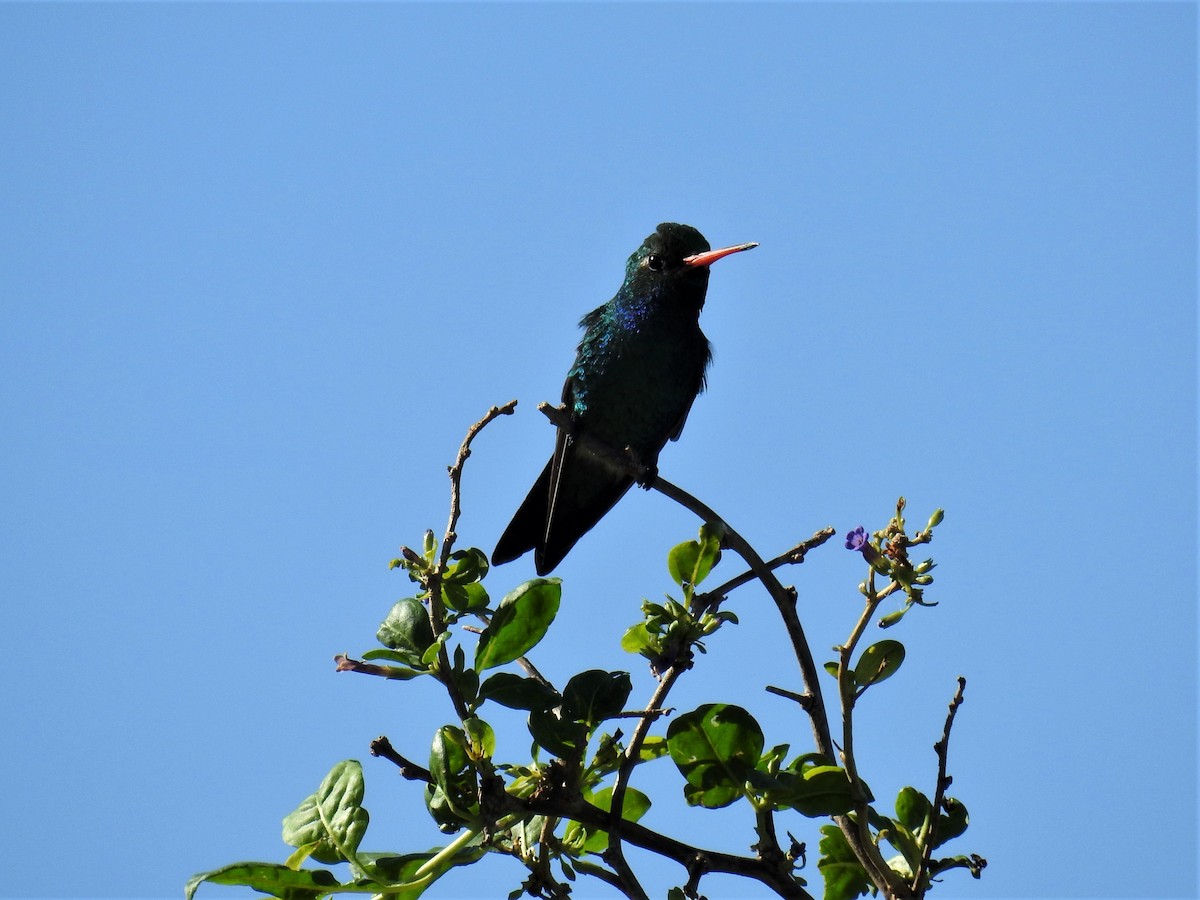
678,429
701,383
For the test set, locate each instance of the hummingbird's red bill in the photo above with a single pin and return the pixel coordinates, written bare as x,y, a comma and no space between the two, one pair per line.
711,256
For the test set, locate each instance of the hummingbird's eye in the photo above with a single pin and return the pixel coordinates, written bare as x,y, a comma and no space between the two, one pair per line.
655,263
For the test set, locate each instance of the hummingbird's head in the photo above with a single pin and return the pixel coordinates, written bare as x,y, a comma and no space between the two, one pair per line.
674,261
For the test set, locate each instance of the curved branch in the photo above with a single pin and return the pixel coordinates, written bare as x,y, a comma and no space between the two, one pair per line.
433,577
456,471
785,601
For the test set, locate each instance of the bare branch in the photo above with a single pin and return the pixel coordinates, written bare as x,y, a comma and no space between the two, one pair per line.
456,470
433,576
711,599
941,748
383,748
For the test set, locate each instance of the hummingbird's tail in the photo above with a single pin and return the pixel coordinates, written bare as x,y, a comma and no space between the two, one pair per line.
554,517
527,525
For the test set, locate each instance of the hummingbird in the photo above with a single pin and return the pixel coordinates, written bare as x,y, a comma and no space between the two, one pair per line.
640,365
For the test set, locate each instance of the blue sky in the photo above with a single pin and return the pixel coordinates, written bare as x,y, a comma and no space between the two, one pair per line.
264,264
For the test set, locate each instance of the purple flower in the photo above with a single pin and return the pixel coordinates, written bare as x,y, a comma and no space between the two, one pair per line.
856,539
859,540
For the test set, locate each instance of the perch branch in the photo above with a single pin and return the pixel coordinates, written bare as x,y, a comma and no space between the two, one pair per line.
784,599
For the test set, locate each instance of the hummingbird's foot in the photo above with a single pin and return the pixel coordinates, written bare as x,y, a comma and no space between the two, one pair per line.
647,472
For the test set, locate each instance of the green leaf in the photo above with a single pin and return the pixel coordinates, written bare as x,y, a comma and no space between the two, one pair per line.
953,822
653,747
393,867
596,695
912,809
465,597
638,639
481,740
516,692
453,796
905,841
878,663
844,876
468,685
395,870
682,561
821,791
559,736
690,562
810,784
519,623
332,820
466,566
406,630
715,748
973,863
268,878
430,656
395,656
772,760
448,758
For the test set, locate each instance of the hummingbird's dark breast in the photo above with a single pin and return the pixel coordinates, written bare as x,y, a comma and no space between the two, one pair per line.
638,370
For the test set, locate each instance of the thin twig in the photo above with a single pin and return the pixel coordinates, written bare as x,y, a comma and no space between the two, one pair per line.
803,699
612,879
455,471
941,748
531,670
383,748
642,713
344,663
711,599
433,576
